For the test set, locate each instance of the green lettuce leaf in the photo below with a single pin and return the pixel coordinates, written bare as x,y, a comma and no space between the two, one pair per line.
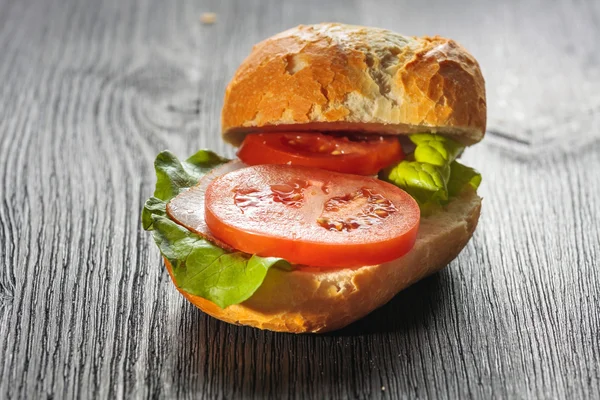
431,175
199,267
424,182
460,177
173,176
435,149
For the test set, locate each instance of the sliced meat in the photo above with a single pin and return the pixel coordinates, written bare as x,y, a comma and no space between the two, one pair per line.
187,208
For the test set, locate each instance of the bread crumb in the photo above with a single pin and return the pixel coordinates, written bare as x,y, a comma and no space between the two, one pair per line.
383,388
208,18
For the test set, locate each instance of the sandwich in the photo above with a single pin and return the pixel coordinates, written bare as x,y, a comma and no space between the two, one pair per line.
347,187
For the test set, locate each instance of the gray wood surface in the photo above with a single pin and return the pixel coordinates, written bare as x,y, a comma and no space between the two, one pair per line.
91,90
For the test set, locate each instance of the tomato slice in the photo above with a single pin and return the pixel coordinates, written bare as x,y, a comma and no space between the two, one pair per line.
365,156
310,216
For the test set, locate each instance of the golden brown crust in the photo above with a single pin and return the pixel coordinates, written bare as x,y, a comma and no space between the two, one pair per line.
313,300
343,77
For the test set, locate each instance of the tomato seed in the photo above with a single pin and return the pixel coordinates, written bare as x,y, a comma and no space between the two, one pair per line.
381,213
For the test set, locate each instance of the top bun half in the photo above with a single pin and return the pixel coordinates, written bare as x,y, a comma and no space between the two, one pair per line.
334,77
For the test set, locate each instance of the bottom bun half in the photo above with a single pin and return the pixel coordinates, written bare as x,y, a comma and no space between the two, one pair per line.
321,300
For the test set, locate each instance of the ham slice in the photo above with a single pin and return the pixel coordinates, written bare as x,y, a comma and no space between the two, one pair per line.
187,208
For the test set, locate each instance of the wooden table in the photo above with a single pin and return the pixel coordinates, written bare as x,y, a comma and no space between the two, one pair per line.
91,90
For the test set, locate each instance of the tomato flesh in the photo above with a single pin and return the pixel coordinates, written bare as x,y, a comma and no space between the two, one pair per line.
310,216
366,156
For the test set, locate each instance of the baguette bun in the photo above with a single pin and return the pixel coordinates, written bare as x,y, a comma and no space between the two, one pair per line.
335,77
315,300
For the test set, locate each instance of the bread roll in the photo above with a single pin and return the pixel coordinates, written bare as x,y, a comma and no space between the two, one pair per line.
321,300
335,77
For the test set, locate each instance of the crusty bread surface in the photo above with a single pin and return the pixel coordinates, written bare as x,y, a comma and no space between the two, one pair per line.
321,300
335,77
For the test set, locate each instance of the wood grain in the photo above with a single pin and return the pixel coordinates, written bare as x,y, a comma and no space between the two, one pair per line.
91,91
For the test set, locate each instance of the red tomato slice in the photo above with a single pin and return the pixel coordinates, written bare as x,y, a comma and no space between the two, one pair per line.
310,216
334,153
